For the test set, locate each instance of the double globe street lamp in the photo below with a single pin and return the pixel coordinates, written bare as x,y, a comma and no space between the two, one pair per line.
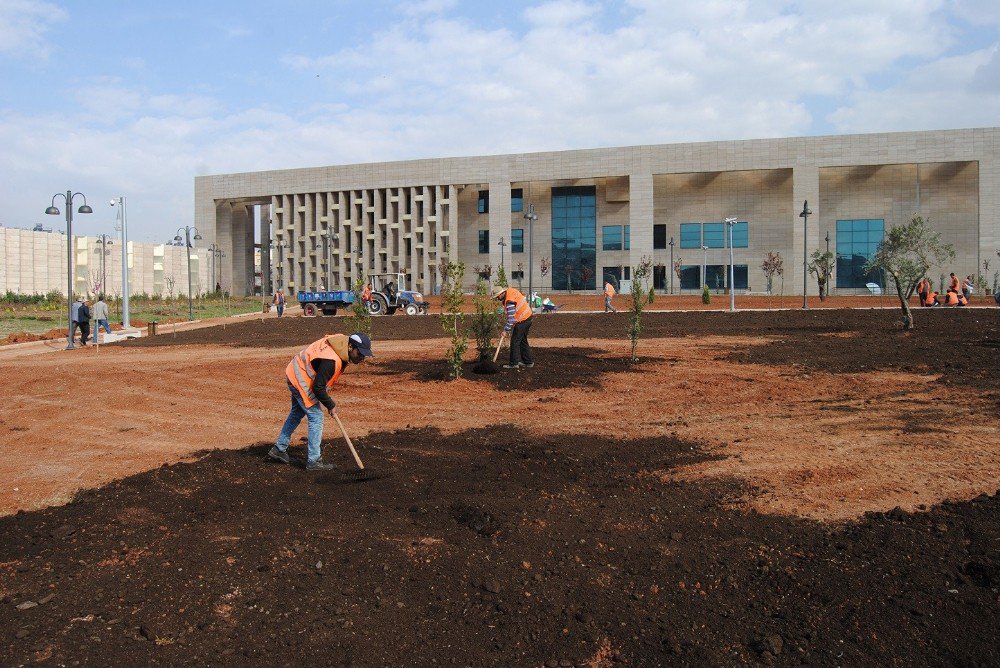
186,242
53,210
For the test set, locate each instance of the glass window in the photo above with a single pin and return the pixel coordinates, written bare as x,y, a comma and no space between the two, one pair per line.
517,240
857,241
484,241
715,276
612,275
628,241
574,237
612,236
659,237
516,200
691,235
714,235
690,276
484,201
740,276
741,236
660,277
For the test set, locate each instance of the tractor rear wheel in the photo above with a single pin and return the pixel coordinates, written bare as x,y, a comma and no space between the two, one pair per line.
309,310
377,305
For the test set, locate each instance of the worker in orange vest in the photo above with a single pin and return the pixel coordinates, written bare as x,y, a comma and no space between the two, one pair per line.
951,299
931,299
923,287
366,294
953,284
518,323
310,375
609,292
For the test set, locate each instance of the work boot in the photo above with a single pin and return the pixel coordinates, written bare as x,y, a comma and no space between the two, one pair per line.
528,365
512,366
278,456
319,465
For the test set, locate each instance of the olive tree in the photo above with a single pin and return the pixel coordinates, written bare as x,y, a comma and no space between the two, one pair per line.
905,255
821,266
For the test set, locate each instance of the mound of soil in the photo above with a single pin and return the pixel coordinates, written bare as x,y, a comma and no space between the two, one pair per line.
486,547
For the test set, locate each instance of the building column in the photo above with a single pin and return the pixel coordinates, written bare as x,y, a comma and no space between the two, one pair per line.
500,225
640,218
989,217
805,187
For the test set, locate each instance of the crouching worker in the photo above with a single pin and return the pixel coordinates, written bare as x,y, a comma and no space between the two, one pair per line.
310,375
518,323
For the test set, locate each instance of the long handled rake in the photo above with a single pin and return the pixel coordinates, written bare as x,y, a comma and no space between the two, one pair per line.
362,474
499,343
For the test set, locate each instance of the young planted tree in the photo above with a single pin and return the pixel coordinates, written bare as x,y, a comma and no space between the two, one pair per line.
586,273
821,266
360,319
501,281
639,300
905,255
678,270
771,266
486,321
451,317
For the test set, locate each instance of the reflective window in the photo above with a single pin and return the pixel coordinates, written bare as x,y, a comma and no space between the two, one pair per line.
612,237
628,239
574,237
484,241
741,236
857,241
517,240
690,276
484,202
690,235
714,235
740,276
516,200
715,276
660,277
612,275
659,237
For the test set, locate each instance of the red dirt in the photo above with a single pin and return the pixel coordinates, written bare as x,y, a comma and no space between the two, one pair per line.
660,513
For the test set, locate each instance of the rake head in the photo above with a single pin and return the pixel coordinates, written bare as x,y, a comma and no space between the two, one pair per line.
362,475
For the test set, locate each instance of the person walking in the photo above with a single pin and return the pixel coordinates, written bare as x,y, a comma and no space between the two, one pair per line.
74,317
518,323
279,302
309,376
101,317
83,321
609,292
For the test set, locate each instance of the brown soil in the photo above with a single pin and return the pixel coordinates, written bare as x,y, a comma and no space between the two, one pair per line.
731,498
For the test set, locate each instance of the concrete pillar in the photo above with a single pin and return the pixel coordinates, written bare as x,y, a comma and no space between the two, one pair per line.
640,216
499,220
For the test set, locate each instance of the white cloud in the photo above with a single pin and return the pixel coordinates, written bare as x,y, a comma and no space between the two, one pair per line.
23,24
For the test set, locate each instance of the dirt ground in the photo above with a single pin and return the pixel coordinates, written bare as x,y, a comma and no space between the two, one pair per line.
785,487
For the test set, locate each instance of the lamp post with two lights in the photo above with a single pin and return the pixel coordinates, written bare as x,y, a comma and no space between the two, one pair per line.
186,242
53,210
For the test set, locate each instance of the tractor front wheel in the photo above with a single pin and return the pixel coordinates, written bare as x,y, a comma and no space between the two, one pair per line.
309,310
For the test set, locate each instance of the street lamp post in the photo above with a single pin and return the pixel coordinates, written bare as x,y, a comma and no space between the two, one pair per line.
828,258
731,223
188,229
53,210
120,213
281,266
704,268
105,241
531,217
329,236
219,254
805,253
671,244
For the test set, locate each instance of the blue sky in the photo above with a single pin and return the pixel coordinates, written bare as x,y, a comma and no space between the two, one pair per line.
138,98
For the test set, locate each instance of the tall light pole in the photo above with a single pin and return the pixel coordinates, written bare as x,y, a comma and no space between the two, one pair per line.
211,257
671,244
329,237
120,213
502,244
218,254
53,210
281,267
731,223
531,217
805,253
829,279
105,241
704,268
188,229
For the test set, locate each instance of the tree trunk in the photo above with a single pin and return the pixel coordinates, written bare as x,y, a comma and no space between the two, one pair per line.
905,305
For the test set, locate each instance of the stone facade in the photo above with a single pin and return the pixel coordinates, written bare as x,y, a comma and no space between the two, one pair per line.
331,224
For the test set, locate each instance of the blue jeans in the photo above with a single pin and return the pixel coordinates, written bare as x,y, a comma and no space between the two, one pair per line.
313,415
280,309
97,328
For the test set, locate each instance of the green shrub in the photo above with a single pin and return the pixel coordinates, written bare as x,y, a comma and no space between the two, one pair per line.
706,295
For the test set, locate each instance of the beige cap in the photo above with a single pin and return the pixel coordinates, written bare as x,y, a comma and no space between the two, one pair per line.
499,293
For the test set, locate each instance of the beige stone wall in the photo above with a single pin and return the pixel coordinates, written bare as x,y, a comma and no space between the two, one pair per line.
758,180
35,263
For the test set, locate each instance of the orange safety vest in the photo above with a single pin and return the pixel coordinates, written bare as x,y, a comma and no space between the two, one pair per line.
521,309
300,371
952,299
609,290
366,294
954,284
931,296
921,286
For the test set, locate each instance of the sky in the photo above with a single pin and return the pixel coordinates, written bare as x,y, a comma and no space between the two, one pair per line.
137,98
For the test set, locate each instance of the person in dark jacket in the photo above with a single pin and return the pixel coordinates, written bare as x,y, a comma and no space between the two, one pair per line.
83,321
310,375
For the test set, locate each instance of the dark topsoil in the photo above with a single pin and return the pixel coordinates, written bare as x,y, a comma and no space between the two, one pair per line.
487,547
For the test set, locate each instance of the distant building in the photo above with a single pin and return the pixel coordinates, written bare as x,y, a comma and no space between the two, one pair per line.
601,210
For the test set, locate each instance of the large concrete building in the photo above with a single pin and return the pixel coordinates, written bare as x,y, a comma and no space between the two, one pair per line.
600,211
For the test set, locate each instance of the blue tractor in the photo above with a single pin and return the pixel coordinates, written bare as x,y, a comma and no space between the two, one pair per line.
387,298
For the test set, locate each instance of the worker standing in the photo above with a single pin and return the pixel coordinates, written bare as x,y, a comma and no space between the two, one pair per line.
923,287
309,376
366,294
518,323
609,292
279,302
101,317
953,283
